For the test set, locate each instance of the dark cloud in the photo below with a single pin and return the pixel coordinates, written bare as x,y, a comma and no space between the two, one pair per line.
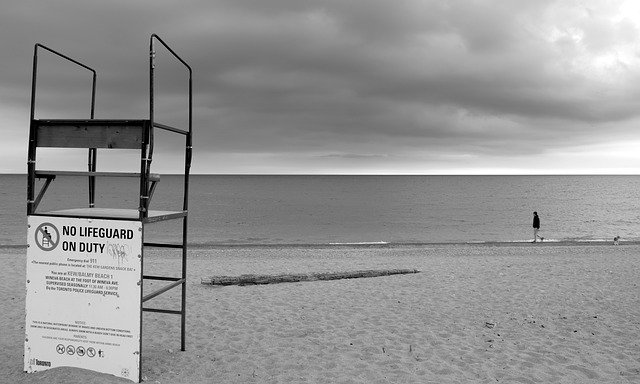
371,84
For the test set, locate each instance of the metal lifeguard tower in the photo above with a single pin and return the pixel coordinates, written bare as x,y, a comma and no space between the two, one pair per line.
85,274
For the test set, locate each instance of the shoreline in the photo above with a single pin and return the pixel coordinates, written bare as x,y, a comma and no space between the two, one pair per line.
375,244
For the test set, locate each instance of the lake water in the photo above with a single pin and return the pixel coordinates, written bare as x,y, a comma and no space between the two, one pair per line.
361,209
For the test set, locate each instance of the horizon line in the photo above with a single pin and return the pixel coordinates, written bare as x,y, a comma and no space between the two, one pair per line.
375,174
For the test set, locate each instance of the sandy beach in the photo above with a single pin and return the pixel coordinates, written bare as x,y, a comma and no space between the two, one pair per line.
530,313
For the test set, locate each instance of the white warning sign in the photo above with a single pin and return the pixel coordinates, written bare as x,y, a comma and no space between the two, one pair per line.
83,295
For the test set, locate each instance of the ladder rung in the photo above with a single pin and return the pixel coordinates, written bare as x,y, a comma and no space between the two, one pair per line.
163,245
165,278
162,311
162,290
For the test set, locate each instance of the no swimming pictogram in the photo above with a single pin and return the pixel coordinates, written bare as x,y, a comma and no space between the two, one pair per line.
47,236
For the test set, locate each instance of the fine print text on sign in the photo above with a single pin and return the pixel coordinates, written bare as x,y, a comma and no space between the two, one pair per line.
83,295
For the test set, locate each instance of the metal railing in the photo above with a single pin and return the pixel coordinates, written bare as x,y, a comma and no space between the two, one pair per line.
31,162
187,167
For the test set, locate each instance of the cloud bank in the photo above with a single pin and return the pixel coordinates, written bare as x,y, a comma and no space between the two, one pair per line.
362,86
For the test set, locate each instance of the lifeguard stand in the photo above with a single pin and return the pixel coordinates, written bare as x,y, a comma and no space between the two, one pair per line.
105,134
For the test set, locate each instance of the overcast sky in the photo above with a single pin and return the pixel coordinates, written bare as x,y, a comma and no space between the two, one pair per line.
342,86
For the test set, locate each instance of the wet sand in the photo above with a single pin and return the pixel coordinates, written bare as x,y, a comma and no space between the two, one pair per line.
524,313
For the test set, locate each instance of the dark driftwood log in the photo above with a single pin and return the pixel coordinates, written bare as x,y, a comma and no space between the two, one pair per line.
291,278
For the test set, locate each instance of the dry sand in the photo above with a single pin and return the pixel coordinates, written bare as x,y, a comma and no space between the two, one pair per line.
475,314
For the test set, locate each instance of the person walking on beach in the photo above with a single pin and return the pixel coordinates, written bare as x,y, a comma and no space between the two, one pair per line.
536,227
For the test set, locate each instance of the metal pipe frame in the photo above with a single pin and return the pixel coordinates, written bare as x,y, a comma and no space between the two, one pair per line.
31,162
187,166
146,151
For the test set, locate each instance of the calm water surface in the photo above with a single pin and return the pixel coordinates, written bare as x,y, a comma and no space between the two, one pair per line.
357,209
